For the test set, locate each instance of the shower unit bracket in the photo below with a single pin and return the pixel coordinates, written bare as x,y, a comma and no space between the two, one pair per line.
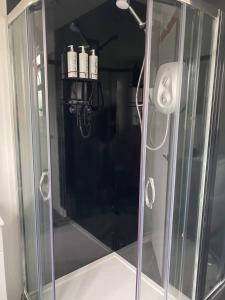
83,98
125,4
90,93
25,295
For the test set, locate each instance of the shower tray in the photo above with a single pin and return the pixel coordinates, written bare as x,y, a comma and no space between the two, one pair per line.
108,278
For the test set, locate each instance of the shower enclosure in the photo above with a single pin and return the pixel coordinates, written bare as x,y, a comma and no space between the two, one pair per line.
117,204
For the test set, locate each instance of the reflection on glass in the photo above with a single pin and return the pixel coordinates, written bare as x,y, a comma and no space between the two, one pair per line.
193,133
95,140
164,60
215,273
95,145
28,64
18,46
40,148
190,125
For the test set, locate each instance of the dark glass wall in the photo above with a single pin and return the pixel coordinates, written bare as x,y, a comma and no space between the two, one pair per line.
95,145
211,277
216,223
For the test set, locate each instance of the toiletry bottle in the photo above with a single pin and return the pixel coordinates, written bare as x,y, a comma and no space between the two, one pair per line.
93,65
72,62
83,63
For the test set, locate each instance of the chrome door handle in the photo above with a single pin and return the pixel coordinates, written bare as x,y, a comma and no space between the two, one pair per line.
149,203
44,177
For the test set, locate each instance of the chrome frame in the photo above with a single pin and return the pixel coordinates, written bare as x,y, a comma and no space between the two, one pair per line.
19,9
190,147
173,148
205,153
18,164
25,295
205,7
218,96
216,290
208,9
22,8
35,163
148,47
48,143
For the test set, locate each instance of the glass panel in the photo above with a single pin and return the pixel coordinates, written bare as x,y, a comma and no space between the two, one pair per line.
165,70
177,139
18,45
215,245
199,60
95,148
28,70
216,261
192,56
40,147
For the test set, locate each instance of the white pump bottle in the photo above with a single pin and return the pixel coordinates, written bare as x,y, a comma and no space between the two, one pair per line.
72,62
93,65
83,63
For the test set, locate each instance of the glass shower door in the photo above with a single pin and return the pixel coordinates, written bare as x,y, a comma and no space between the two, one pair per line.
41,147
18,44
179,72
27,55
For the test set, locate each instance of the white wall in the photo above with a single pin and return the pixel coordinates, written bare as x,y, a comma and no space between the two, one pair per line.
9,209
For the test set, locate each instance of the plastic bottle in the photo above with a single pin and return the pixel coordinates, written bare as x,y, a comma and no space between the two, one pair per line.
83,63
93,65
72,62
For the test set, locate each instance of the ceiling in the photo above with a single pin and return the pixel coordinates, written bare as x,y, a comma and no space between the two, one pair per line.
103,22
101,19
74,9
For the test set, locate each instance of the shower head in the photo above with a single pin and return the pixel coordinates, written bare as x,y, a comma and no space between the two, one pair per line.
76,29
123,4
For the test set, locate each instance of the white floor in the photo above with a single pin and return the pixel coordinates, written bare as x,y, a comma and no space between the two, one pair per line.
108,278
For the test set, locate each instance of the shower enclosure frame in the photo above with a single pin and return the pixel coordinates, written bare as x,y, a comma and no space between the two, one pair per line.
24,4
25,8
210,10
218,96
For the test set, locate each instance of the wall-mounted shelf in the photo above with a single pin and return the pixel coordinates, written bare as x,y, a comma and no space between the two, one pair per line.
79,104
82,97
78,79
82,92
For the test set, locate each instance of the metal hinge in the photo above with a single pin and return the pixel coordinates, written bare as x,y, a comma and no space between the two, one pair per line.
25,295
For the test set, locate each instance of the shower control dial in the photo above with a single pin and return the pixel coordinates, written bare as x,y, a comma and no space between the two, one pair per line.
165,90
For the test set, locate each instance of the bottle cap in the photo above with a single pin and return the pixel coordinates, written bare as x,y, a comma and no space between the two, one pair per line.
71,47
82,49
